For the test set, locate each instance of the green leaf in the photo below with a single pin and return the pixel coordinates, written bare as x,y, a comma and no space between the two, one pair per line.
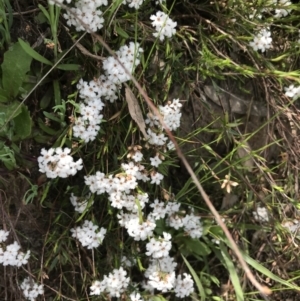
45,128
194,246
45,101
226,260
43,9
197,280
23,123
33,53
7,156
122,33
267,272
3,95
9,112
69,67
15,65
51,116
57,95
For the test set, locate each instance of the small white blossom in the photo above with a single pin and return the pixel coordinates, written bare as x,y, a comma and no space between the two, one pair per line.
156,178
155,161
80,205
136,297
164,26
31,290
114,284
261,214
158,248
137,157
3,235
57,162
184,287
88,234
262,40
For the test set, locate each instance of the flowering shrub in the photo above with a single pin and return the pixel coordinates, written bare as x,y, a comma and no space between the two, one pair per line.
140,231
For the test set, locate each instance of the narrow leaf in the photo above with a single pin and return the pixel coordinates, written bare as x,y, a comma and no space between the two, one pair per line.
197,280
33,53
43,9
233,274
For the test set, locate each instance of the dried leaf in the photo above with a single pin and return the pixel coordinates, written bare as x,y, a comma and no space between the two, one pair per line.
229,200
135,110
244,152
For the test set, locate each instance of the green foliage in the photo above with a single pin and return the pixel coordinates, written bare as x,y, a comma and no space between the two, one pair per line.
15,66
6,20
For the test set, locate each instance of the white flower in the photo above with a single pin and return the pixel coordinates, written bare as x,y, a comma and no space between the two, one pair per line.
116,282
88,17
80,205
158,248
134,3
58,163
88,234
3,235
292,91
31,290
138,156
192,225
164,26
140,231
159,209
184,287
282,12
156,178
261,214
136,297
98,287
155,161
262,40
161,274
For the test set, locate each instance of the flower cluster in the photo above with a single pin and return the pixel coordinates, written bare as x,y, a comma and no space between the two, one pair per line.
31,289
261,214
94,92
88,234
161,275
114,284
191,223
292,91
134,3
11,254
86,15
262,40
171,116
281,10
128,56
56,162
79,204
58,2
87,126
164,25
159,247
183,287
135,297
